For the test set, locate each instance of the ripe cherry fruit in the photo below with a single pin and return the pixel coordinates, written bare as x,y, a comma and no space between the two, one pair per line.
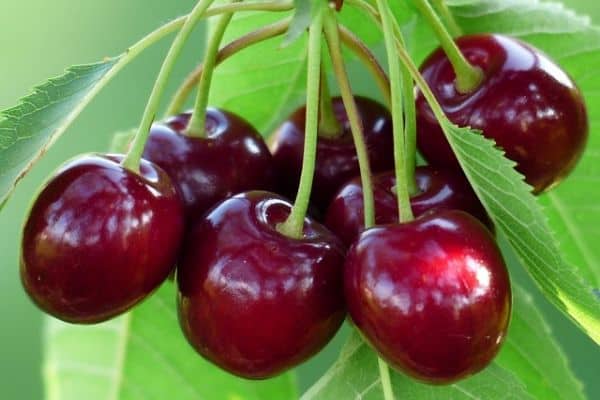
100,238
231,158
337,161
432,296
526,103
251,300
437,190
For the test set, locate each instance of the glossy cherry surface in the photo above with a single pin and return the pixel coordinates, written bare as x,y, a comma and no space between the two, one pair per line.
232,158
336,157
438,190
527,104
99,238
432,296
253,301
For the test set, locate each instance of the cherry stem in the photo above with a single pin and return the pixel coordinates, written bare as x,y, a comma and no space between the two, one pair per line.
363,5
468,77
329,126
420,81
133,157
386,382
400,161
293,226
366,56
410,125
277,5
234,47
333,41
442,9
410,128
197,125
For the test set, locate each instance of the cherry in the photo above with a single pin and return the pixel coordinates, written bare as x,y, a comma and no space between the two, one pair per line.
337,4
252,300
337,161
432,296
527,104
100,238
438,190
230,159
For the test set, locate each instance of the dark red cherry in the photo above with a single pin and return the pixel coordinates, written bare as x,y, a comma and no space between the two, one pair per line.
232,158
337,4
336,158
432,296
100,238
527,104
252,300
438,190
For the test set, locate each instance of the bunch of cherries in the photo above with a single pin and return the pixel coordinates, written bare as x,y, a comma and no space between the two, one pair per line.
431,295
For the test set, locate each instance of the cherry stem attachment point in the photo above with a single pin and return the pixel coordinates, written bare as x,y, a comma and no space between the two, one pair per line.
293,226
197,124
366,56
329,126
333,41
404,209
234,47
468,77
133,157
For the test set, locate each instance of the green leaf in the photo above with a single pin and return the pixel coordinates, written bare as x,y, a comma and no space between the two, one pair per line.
355,376
28,129
305,10
575,44
534,356
142,355
508,200
565,263
530,365
263,84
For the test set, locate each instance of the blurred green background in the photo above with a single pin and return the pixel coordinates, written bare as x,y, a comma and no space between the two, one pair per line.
39,39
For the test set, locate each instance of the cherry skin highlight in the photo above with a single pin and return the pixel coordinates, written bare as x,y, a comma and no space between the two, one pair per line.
231,158
100,238
437,190
336,157
251,300
432,296
526,103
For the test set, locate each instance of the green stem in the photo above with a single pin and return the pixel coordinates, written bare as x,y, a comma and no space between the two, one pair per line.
234,47
364,6
329,126
274,6
442,9
132,159
400,163
293,226
366,56
419,80
410,124
409,104
335,51
386,382
197,124
468,77
121,62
